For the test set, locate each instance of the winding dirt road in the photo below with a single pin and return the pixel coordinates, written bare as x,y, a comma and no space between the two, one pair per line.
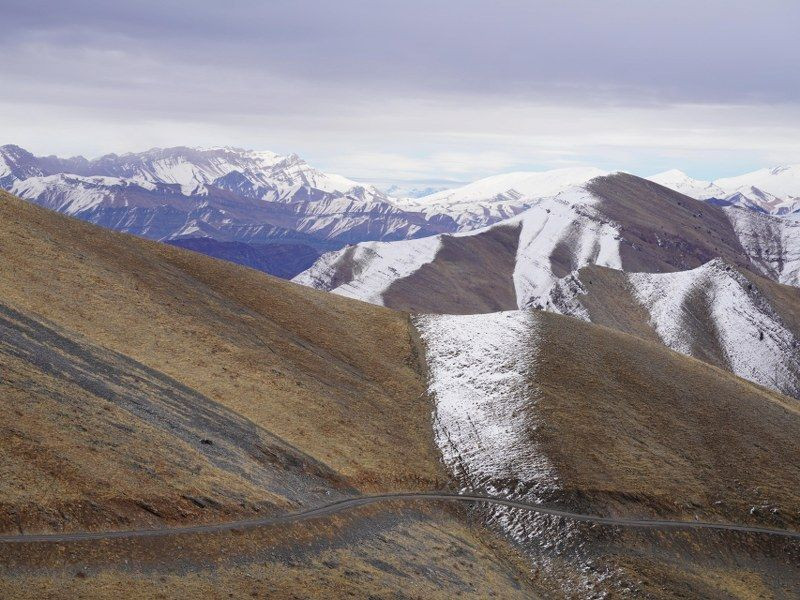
346,504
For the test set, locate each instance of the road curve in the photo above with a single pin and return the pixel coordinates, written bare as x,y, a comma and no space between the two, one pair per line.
348,503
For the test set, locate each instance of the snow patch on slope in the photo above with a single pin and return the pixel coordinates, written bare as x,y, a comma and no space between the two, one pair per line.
756,345
375,266
563,298
482,378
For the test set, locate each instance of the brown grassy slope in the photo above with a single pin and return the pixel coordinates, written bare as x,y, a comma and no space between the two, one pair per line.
609,303
472,274
91,439
335,378
663,230
635,426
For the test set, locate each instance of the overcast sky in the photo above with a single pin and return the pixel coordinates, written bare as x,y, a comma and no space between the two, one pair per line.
416,90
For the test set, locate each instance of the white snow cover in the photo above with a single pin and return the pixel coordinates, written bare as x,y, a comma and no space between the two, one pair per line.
772,243
201,166
499,197
375,265
783,181
480,369
740,317
681,182
571,218
775,190
564,298
482,378
531,184
72,193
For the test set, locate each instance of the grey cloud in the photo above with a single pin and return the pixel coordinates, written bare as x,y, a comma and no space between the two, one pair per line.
620,51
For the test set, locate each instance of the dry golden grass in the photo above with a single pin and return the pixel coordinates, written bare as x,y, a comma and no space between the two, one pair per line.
638,427
334,377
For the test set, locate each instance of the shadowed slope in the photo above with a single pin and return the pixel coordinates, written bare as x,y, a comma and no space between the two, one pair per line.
663,230
468,274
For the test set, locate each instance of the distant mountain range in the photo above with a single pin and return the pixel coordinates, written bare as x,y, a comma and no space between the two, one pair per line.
249,205
774,191
230,195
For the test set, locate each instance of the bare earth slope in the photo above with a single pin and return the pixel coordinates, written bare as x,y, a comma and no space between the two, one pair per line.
663,230
302,364
147,386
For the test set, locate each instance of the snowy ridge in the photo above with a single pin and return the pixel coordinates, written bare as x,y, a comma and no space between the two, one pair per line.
773,244
756,345
569,219
228,194
777,189
69,194
374,266
531,184
499,197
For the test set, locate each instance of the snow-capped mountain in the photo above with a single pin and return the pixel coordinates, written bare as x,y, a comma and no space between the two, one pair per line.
402,191
681,182
265,175
499,197
228,194
773,190
618,221
376,271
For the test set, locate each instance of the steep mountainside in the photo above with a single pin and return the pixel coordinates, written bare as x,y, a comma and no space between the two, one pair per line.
619,221
146,386
205,331
541,407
